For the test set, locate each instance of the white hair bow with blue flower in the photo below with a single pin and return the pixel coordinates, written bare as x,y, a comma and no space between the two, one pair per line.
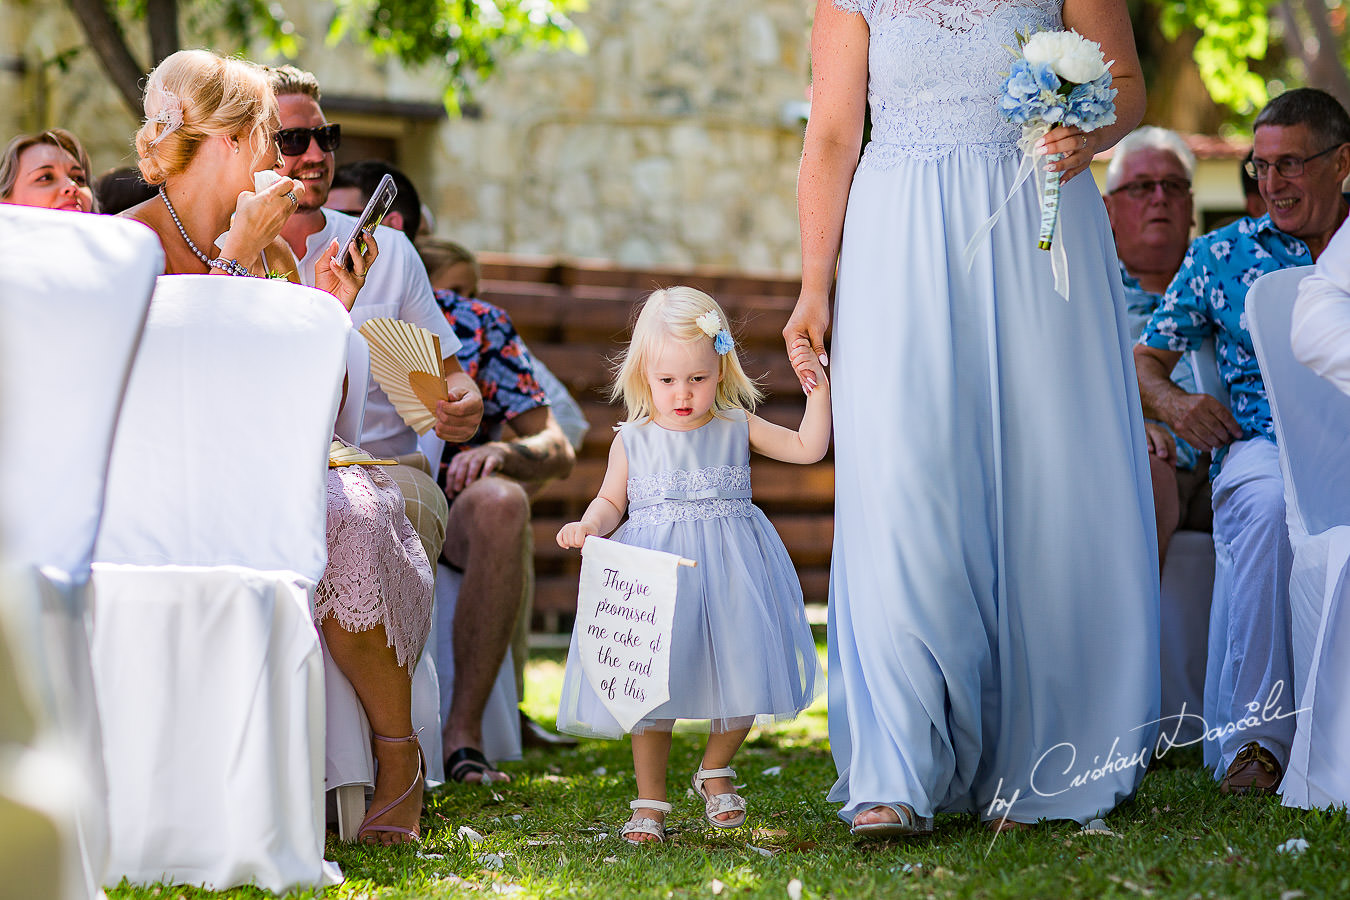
711,325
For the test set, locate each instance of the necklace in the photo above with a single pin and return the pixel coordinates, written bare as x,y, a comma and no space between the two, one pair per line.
164,195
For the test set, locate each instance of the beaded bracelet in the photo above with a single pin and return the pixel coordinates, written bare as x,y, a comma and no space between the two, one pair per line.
230,266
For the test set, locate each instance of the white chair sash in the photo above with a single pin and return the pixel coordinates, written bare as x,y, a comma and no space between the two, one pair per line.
1312,428
74,290
208,666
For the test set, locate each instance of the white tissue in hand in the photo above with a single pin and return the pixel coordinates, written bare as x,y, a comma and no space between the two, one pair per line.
264,180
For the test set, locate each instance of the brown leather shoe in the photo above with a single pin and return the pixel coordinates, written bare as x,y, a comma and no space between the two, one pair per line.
1255,770
532,734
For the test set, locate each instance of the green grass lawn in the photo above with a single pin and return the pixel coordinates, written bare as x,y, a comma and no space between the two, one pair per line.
551,832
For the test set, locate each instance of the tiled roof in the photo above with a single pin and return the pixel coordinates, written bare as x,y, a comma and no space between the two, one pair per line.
1207,146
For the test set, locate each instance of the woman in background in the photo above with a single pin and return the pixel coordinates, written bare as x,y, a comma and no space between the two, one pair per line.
49,169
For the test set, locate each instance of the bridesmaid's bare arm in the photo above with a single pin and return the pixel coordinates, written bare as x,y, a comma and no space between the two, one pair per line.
1108,23
830,155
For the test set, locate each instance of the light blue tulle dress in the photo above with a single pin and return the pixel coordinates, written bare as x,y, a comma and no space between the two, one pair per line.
994,589
741,650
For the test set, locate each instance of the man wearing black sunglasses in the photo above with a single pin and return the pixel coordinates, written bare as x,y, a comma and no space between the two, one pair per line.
396,287
1300,158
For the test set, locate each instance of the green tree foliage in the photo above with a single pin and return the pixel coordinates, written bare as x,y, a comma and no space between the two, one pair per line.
1232,34
1243,45
460,41
463,39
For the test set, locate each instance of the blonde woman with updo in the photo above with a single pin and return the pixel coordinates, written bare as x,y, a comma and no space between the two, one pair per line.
210,125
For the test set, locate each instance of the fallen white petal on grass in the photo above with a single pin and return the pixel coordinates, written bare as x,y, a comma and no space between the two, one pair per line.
1292,895
497,888
772,771
760,850
421,855
517,818
717,887
611,859
794,889
599,838
1097,827
490,861
599,770
1293,846
468,834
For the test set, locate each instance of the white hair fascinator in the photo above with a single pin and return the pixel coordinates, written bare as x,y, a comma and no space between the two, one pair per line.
168,110
711,325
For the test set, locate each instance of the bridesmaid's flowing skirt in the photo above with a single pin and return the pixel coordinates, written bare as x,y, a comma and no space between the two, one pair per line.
994,592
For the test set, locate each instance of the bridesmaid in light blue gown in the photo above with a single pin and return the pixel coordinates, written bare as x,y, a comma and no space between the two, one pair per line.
993,640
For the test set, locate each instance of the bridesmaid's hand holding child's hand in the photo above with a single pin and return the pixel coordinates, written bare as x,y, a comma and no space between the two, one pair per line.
806,363
574,534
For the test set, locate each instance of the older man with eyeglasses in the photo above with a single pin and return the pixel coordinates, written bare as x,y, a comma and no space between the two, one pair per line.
1300,157
1148,200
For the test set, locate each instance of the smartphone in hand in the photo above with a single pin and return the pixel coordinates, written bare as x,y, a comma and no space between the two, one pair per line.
376,209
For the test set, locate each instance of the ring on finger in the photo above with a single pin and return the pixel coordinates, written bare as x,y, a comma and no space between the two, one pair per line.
290,195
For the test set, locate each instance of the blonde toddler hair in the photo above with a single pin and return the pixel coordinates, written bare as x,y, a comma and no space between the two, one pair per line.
195,95
671,314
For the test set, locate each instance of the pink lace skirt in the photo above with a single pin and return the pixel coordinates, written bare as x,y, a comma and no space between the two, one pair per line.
377,570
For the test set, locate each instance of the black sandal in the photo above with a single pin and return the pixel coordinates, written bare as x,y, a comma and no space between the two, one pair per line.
467,761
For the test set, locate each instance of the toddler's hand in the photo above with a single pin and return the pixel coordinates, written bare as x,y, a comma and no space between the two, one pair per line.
574,534
806,363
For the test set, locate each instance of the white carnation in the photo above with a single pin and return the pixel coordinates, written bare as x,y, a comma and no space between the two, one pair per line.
1073,57
710,323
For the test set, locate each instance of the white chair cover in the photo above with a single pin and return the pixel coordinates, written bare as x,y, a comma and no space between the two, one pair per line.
1187,586
353,412
501,717
73,296
1187,590
1217,696
207,662
38,776
1312,429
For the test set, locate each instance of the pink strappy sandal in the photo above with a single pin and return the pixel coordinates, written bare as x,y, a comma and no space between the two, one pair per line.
412,835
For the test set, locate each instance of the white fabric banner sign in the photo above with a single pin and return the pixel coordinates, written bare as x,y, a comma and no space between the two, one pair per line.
625,614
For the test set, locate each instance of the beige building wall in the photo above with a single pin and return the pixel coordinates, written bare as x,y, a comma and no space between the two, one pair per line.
674,141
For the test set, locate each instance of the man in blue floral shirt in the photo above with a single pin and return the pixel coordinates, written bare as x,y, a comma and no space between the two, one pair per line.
1300,157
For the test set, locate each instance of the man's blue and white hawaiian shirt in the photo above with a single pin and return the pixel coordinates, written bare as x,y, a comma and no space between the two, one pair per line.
1139,307
1209,296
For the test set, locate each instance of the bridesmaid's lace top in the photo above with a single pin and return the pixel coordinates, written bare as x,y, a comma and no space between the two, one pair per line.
936,69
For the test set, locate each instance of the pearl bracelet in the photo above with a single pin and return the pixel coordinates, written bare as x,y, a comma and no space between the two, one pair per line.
230,266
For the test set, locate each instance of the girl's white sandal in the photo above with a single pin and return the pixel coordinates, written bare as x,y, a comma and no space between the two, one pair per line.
645,825
719,804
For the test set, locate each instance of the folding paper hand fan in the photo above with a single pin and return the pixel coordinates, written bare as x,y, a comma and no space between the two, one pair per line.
405,362
339,455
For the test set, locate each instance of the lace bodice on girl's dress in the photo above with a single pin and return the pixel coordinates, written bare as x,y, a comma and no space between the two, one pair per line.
936,69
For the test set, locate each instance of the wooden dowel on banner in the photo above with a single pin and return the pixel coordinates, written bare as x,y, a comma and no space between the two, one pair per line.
691,563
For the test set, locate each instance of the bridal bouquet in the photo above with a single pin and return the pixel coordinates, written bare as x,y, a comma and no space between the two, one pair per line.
1059,78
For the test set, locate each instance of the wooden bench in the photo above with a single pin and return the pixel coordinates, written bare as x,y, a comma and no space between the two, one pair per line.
575,316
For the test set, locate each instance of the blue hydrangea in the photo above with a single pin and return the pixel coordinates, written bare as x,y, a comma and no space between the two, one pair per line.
723,343
1022,100
1034,93
1092,105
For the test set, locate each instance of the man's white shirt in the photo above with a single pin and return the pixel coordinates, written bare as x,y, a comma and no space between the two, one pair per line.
396,287
1321,328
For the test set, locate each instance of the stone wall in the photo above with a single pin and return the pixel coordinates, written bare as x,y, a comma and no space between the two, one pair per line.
673,141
